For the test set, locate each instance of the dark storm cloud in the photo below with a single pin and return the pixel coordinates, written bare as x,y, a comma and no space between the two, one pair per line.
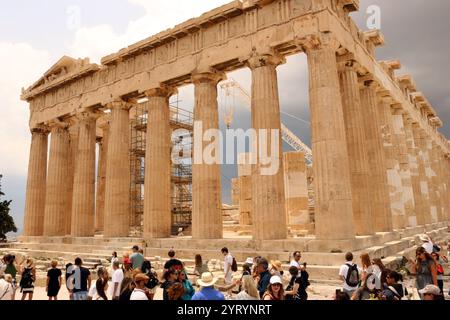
417,33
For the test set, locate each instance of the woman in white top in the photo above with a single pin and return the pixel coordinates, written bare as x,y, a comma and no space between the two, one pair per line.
140,292
249,290
6,287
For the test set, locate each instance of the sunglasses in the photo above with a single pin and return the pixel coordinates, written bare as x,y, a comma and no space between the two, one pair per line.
276,285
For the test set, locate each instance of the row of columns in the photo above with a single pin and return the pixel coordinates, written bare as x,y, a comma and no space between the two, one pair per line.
374,168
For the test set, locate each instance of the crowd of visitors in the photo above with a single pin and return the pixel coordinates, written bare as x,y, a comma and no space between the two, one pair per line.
133,278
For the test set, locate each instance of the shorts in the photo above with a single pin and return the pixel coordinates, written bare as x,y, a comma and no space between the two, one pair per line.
80,296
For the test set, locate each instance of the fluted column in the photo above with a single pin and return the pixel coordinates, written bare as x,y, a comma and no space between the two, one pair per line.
437,181
382,218
73,150
407,163
432,179
416,168
424,183
268,194
446,171
206,182
36,182
117,188
157,205
357,153
57,194
83,201
391,154
101,179
332,183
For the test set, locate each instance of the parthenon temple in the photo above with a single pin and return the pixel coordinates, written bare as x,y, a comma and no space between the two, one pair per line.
380,171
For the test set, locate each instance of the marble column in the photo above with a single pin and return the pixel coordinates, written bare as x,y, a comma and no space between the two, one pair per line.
392,155
36,182
206,181
332,183
432,178
416,168
101,179
157,202
407,163
117,187
83,201
268,194
356,147
382,218
245,189
57,194
437,180
73,150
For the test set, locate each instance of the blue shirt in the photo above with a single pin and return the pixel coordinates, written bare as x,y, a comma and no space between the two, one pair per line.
208,293
264,281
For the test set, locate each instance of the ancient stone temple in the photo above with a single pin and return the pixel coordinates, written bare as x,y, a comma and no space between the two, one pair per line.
381,169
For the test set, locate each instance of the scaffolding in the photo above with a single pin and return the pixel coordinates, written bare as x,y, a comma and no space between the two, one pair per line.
181,122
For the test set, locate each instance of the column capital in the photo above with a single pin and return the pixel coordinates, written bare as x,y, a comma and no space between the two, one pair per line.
318,42
257,60
42,129
87,115
119,103
208,76
57,124
163,92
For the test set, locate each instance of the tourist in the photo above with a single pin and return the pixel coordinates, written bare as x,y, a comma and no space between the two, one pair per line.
140,291
349,273
2,266
295,262
246,270
439,270
207,291
369,268
274,290
6,287
116,281
248,291
173,263
425,269
263,278
153,282
200,266
427,244
369,290
11,268
341,296
176,292
255,266
170,277
189,290
137,258
28,277
81,285
394,290
126,289
101,284
296,289
431,293
276,268
54,281
380,270
114,258
127,268
228,265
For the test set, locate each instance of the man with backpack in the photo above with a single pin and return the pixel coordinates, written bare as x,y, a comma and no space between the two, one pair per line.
229,265
350,274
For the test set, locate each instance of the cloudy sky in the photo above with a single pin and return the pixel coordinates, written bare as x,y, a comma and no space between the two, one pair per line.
35,34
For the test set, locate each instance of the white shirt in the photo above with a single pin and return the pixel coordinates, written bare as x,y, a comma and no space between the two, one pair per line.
138,294
6,290
243,295
93,290
113,259
117,277
343,273
228,262
428,246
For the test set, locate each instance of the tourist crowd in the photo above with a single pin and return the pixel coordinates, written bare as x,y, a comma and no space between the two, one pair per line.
133,278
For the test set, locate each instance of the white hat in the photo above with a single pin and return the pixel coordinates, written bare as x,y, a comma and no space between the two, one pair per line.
275,279
249,261
432,289
424,238
207,280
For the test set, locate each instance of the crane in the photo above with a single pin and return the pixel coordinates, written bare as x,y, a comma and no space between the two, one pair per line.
287,135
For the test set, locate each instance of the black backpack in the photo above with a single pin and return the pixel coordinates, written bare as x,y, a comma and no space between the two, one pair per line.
234,266
146,267
352,278
153,281
27,278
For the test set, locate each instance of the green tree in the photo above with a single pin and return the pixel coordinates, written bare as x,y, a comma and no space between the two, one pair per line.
6,221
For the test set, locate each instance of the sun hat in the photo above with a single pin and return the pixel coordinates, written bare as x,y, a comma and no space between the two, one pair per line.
431,289
276,264
141,277
424,238
275,279
249,260
207,280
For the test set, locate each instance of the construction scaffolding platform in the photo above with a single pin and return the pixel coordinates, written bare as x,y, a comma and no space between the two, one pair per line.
181,167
